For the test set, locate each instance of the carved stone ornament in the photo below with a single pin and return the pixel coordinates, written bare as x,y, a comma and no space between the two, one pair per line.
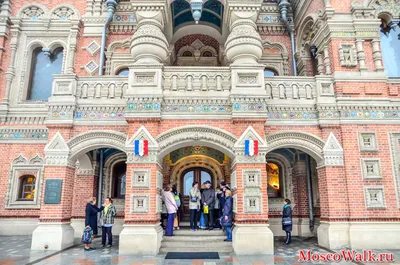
374,197
333,152
142,134
241,157
141,178
140,203
57,152
348,55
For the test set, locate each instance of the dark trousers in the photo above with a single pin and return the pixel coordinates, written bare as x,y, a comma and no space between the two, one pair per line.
209,218
164,216
106,231
216,217
193,218
170,225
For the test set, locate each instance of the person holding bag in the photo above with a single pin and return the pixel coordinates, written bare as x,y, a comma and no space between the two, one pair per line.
227,216
172,208
194,205
287,221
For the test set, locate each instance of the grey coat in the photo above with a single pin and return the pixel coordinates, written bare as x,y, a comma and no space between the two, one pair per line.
208,197
109,217
196,194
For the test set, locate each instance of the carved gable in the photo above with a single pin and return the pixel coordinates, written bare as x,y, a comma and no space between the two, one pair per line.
142,134
333,152
250,134
57,145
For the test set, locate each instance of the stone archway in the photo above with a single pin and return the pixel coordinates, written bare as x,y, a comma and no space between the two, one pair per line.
196,135
85,142
308,143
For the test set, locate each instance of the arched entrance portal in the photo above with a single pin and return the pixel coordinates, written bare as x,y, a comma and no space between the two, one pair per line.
190,164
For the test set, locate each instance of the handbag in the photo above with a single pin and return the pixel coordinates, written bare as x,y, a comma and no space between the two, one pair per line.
286,221
176,221
193,199
206,209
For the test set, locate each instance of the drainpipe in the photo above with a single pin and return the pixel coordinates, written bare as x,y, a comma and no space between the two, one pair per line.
111,6
310,193
101,166
284,7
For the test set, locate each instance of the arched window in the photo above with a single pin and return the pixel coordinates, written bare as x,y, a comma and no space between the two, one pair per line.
119,180
390,46
274,181
123,72
268,72
27,188
44,66
187,54
207,54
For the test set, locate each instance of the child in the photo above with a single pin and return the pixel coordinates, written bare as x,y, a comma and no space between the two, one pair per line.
87,238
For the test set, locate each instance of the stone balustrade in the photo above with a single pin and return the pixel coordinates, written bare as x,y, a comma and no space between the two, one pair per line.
292,88
105,87
196,79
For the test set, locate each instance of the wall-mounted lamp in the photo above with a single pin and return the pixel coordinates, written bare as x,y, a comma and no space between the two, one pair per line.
313,50
197,9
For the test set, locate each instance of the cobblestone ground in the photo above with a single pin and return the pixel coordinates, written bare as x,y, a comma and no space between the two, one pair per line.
16,250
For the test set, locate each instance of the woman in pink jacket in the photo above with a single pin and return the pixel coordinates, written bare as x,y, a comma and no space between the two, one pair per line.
171,206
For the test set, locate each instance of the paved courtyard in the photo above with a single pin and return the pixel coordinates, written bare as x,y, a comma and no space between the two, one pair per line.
16,250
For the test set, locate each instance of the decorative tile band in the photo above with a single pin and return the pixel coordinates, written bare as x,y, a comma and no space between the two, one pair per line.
23,134
87,115
199,108
268,19
124,18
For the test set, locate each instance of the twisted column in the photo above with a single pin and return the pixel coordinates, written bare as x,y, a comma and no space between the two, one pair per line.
376,50
361,55
149,44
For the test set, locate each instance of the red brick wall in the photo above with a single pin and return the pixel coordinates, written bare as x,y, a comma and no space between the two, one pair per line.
84,188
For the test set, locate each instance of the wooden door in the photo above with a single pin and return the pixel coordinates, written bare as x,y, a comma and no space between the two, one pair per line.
189,176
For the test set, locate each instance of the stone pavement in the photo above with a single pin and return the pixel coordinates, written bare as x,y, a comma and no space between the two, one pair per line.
16,251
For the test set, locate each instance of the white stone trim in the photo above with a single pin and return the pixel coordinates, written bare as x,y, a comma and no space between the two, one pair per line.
159,180
374,197
395,156
374,143
252,203
333,152
140,203
21,164
376,166
251,178
140,178
234,180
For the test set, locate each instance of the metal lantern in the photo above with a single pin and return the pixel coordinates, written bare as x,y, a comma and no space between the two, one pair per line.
197,9
313,50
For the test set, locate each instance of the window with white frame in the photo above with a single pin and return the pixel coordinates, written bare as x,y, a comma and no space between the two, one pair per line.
44,64
390,43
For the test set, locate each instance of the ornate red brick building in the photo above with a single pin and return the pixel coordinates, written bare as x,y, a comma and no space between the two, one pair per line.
315,83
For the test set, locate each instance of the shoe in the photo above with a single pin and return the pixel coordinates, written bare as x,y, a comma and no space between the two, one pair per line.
102,246
92,248
228,240
108,246
88,249
177,228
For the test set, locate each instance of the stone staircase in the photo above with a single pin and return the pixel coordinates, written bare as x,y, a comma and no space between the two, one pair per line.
185,240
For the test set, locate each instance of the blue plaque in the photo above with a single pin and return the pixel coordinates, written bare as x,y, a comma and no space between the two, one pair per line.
52,194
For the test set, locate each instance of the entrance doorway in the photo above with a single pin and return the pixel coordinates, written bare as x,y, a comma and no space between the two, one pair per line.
188,177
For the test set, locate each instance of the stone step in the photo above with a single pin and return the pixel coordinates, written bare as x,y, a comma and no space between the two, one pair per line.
226,251
200,232
194,237
196,244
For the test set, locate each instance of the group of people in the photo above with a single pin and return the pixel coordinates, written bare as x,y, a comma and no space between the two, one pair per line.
203,201
216,207
108,213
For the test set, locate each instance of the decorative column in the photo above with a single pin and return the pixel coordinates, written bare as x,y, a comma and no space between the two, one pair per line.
361,55
149,48
333,232
142,233
16,33
327,61
72,42
377,55
55,231
250,199
320,65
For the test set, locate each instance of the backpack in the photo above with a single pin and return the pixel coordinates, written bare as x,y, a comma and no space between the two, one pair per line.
178,200
87,235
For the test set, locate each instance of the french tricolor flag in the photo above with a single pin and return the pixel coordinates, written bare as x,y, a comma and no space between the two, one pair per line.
141,147
251,147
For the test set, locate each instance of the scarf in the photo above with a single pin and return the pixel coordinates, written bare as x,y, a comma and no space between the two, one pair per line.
106,209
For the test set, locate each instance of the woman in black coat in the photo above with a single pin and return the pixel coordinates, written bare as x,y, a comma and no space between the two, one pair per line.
91,214
227,215
287,221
